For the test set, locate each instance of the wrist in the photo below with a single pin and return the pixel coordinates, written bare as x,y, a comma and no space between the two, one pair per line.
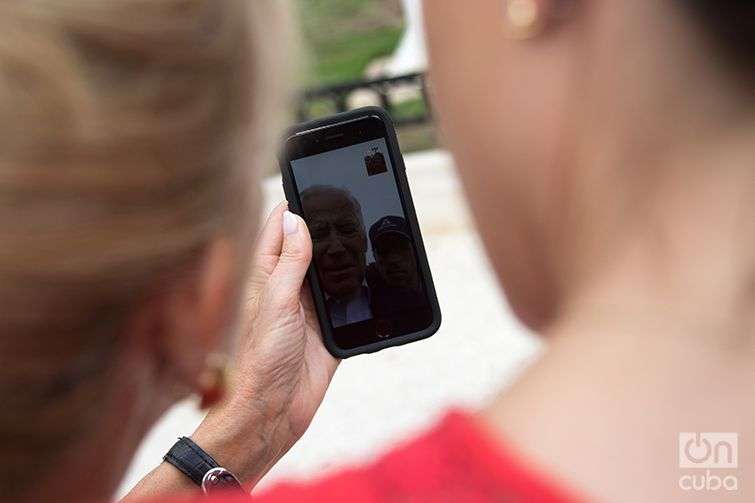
241,441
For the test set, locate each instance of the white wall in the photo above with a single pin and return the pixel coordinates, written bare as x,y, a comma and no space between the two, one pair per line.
411,54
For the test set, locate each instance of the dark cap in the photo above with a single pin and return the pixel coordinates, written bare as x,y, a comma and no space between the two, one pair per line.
389,225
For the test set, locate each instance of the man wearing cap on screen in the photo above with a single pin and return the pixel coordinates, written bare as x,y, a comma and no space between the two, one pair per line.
339,250
394,254
394,277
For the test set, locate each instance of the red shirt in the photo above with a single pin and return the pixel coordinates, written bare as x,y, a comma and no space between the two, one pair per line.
456,461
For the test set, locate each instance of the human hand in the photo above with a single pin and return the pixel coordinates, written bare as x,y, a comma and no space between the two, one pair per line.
281,369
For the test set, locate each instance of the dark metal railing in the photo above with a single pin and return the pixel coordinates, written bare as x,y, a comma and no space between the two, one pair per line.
317,102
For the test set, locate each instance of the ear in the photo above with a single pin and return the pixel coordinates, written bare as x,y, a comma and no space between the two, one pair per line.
197,311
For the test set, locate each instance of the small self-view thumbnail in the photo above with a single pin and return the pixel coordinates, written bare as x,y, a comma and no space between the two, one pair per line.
375,162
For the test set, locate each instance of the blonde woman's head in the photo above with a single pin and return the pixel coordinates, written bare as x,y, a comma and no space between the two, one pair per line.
130,131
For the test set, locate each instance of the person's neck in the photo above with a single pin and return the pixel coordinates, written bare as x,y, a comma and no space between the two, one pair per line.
91,470
659,341
605,405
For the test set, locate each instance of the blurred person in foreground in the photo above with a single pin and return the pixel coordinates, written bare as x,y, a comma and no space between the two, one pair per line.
607,151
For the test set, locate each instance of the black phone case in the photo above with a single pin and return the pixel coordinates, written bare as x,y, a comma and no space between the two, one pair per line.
411,216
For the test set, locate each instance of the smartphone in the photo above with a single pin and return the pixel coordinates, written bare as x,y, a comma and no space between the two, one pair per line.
370,278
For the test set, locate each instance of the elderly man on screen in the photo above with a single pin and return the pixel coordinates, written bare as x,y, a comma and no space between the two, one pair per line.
394,278
339,240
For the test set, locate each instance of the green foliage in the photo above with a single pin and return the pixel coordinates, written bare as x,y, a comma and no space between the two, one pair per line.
410,108
341,37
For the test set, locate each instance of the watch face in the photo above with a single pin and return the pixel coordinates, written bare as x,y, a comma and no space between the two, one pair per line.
220,479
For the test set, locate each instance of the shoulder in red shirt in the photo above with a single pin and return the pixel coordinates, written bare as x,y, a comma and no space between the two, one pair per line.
456,461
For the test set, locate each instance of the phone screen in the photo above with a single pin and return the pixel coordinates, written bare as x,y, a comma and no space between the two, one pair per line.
364,250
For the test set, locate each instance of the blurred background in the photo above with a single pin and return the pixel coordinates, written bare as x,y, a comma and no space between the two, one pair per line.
366,52
372,52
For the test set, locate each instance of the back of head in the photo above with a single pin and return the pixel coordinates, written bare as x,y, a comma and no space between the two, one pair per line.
121,123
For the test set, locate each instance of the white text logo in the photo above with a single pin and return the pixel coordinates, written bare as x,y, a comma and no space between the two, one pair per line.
716,454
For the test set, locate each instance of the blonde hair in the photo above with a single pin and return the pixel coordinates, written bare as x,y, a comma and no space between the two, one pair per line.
120,128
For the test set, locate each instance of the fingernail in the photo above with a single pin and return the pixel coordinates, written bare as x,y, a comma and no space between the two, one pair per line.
290,225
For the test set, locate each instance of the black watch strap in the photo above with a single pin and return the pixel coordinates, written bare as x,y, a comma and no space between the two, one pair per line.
190,459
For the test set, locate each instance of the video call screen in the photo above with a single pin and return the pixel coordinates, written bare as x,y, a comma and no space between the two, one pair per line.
363,249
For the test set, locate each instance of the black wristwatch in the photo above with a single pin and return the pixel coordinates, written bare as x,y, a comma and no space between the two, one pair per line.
200,467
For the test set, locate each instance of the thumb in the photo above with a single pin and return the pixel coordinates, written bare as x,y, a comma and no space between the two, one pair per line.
296,253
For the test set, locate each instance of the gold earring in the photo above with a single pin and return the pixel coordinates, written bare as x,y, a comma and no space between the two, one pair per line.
523,18
212,380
